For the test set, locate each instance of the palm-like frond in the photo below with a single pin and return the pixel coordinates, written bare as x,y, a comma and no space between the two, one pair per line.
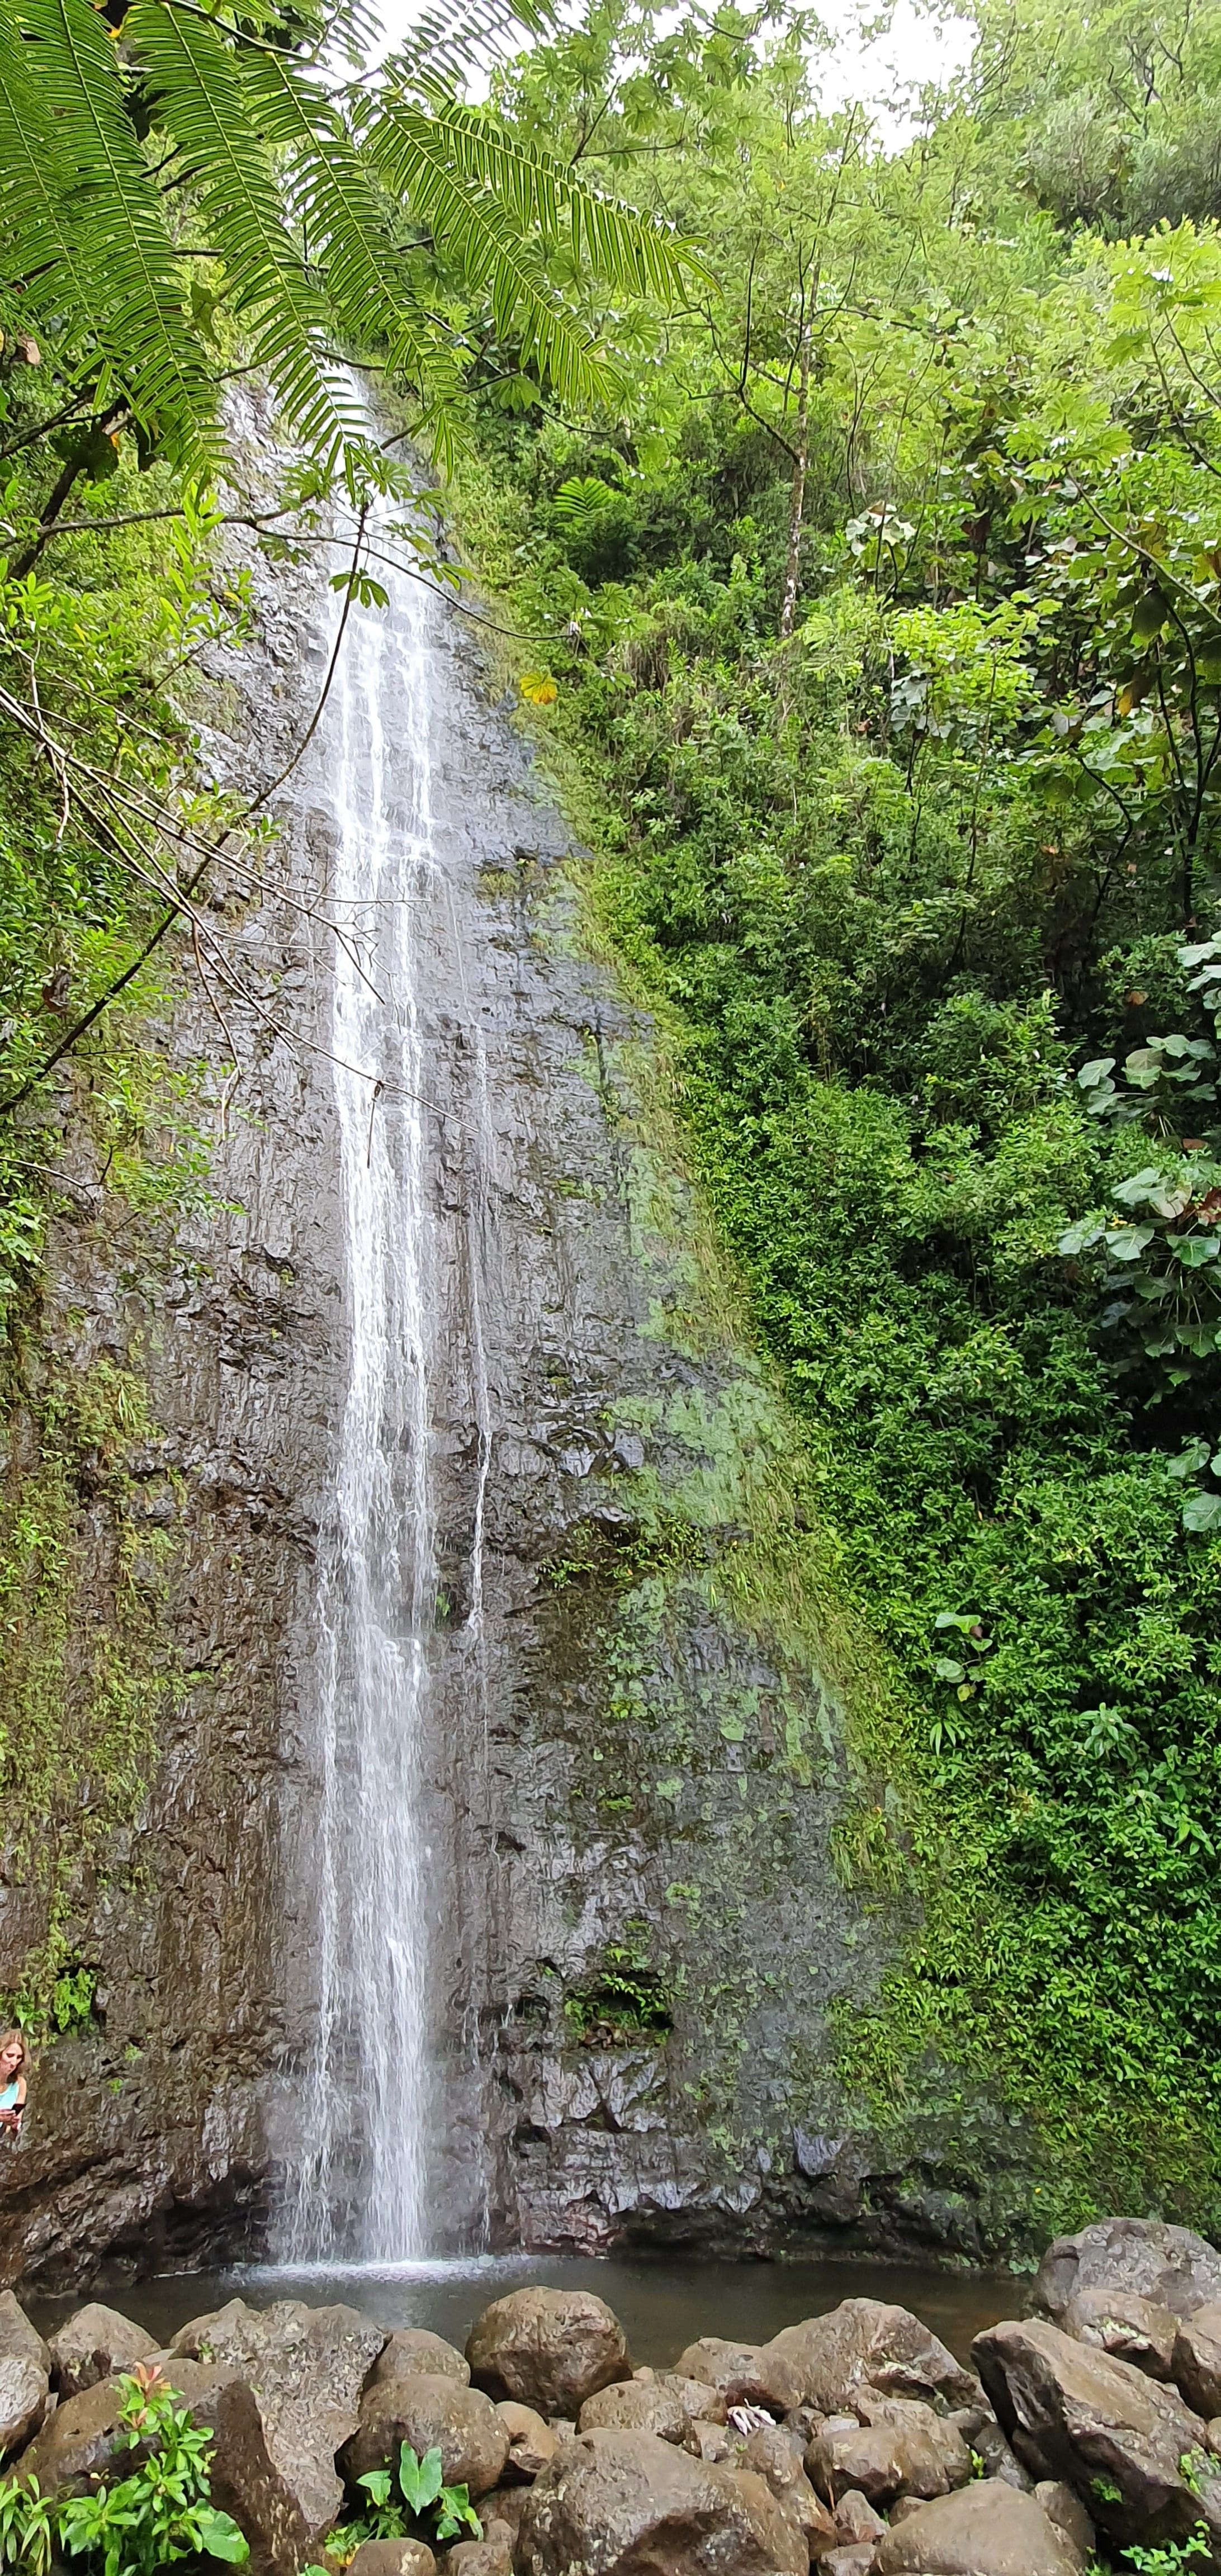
79,223
202,102
410,149
545,196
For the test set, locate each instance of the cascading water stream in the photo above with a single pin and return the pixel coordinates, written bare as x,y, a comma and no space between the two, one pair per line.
362,2191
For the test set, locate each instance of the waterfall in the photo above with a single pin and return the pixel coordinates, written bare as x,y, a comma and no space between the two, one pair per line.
362,2190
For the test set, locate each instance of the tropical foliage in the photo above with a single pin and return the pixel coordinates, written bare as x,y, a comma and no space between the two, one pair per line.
885,627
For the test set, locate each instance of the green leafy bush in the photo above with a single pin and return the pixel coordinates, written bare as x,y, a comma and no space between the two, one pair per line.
141,2524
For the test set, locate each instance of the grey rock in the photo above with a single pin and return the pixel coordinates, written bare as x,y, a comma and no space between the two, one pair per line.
548,2348
856,2521
79,2443
882,2460
531,2440
774,2458
854,2558
698,2399
1119,2438
1170,2265
999,2458
96,2343
910,2416
986,2529
491,2556
307,2367
244,2479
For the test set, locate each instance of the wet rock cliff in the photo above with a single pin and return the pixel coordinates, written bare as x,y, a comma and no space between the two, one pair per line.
639,1760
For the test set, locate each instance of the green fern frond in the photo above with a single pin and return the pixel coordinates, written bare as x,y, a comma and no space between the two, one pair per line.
411,150
631,254
443,44
80,226
201,100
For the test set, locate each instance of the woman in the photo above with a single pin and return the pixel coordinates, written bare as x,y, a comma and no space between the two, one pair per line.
14,2061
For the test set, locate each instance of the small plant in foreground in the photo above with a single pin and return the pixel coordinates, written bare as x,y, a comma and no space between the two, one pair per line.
422,2492
1177,2558
163,2511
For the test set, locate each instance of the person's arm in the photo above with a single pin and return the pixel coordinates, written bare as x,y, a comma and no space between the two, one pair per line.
12,2119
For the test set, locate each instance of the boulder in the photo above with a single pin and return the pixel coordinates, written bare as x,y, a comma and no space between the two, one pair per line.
79,2443
393,2558
700,2401
631,2405
1129,2447
853,2558
1195,2362
432,2413
96,2343
307,2367
1121,2321
1071,2520
1170,2265
882,2460
24,2396
413,2350
910,2415
618,2504
19,2340
772,2457
244,2479
856,2522
869,2342
505,2505
743,2374
902,2506
491,2556
548,2348
986,2529
999,2458
531,2440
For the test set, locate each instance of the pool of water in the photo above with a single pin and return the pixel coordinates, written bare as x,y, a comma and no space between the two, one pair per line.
663,2303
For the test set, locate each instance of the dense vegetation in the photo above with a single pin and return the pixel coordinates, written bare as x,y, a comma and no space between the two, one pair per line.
870,571
885,628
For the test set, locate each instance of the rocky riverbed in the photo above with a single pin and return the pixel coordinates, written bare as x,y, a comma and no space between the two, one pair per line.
855,2441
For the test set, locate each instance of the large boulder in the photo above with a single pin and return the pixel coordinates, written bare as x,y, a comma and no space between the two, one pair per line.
623,2504
19,2340
867,2342
1196,2359
1130,2448
633,2405
986,2529
245,2481
548,2348
1170,2265
700,2401
307,2367
773,2457
1121,2321
413,2350
96,2343
432,2413
927,2429
743,2374
881,2460
79,2443
1065,2509
24,2398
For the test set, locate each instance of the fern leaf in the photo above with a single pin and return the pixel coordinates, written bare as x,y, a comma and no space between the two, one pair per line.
81,225
633,255
202,101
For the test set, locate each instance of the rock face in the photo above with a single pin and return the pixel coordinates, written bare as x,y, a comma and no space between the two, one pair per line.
1128,2447
307,2367
615,2503
633,1447
1195,2360
548,2348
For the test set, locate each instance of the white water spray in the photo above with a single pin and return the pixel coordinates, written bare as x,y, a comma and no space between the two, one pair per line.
362,2190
